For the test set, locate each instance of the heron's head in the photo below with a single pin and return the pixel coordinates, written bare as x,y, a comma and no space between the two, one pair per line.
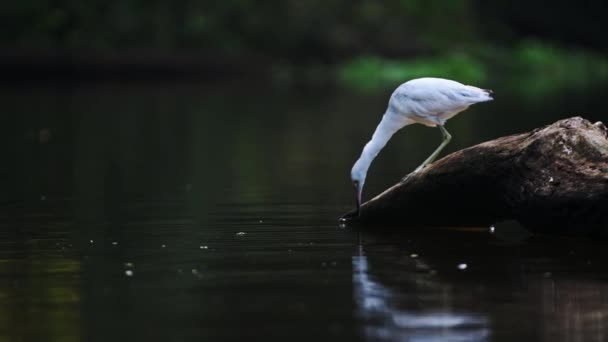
357,175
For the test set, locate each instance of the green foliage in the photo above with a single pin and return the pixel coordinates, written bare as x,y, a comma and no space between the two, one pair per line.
365,44
541,67
369,73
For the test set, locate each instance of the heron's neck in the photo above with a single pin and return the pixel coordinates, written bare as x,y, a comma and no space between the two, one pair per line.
385,130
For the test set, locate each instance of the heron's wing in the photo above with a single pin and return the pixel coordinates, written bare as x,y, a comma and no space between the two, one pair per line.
427,100
426,104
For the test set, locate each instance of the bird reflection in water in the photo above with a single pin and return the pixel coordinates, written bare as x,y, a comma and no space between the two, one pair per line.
377,306
518,287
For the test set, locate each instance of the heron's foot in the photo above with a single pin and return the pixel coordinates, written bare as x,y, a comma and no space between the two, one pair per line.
409,176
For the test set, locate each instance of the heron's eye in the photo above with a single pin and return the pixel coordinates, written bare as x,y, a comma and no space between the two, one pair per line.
356,183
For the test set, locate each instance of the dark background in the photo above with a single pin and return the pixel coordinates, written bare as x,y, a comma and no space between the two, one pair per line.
174,170
232,37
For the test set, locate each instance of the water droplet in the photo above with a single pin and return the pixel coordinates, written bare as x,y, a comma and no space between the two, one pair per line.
129,273
261,221
91,241
492,229
413,255
114,243
163,246
194,271
241,234
129,265
203,247
462,266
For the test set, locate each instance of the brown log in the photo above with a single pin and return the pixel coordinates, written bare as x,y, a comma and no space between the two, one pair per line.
553,179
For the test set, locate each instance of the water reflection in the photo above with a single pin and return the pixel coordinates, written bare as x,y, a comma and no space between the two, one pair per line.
574,310
39,287
136,168
380,308
535,288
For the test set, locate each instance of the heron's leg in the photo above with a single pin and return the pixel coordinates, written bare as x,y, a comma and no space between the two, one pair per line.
446,137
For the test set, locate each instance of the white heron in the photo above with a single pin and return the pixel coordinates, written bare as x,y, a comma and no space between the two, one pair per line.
428,101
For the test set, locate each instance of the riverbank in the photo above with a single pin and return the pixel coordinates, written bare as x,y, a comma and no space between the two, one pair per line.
540,66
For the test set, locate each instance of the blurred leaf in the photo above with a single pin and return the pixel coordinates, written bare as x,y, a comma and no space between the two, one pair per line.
369,73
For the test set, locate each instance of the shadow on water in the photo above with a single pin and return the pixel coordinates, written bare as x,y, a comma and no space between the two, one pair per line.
174,212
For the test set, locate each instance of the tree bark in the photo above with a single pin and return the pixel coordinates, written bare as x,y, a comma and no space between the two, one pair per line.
553,179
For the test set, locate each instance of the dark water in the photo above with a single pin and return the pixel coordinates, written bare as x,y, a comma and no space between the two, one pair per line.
208,212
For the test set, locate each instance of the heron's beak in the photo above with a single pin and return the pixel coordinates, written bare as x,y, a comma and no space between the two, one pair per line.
358,190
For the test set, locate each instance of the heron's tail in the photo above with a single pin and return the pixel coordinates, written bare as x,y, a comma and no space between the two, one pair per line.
487,94
481,95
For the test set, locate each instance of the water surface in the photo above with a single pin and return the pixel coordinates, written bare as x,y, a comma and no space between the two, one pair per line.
191,212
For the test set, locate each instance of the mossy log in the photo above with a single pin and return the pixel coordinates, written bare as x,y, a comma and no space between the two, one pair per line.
552,179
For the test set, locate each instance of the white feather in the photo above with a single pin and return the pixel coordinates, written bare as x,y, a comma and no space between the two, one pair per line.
432,101
427,101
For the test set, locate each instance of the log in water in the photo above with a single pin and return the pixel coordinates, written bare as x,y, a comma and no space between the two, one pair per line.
552,179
